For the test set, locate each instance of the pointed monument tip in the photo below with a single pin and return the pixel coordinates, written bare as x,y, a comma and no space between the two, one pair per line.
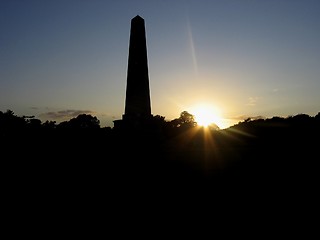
138,17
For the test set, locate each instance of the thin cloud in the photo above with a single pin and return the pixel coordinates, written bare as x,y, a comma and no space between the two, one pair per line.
252,101
244,117
64,114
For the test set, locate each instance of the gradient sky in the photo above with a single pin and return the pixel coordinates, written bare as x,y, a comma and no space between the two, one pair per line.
246,58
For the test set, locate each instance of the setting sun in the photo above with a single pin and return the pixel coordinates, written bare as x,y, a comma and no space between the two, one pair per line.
205,115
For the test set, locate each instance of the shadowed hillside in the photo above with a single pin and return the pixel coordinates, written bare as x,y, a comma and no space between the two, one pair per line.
76,168
253,153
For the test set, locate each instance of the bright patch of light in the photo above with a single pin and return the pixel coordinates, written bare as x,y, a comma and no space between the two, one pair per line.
205,115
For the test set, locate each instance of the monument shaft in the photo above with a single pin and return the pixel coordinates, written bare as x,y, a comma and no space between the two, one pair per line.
137,103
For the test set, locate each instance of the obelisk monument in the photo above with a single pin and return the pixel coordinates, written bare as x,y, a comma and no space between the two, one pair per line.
137,93
137,102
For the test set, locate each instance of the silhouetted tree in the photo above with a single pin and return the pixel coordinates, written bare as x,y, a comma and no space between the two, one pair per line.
82,121
302,118
158,118
186,120
10,122
175,123
247,120
213,127
178,125
276,119
49,124
34,123
317,117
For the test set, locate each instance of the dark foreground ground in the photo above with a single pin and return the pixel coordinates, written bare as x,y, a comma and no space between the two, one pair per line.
78,177
260,177
263,159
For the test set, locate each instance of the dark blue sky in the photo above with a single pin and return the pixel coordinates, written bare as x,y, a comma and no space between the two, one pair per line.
243,57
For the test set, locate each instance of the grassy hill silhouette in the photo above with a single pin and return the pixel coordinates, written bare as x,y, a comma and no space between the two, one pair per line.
253,152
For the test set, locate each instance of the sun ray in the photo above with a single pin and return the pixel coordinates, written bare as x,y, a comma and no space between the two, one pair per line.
192,48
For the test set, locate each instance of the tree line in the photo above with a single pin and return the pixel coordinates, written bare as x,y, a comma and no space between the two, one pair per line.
269,154
10,122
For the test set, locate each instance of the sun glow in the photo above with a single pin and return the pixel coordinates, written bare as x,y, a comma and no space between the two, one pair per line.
206,115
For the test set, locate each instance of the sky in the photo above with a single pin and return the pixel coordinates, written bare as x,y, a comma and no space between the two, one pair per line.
243,58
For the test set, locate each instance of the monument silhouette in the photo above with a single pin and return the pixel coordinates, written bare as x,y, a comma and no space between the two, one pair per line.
137,103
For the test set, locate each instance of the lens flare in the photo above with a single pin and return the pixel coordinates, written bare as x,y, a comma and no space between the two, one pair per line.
206,115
